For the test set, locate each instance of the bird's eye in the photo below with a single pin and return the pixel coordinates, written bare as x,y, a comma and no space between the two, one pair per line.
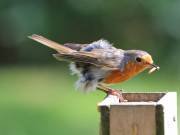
138,59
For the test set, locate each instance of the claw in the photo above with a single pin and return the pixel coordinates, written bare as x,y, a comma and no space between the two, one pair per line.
117,93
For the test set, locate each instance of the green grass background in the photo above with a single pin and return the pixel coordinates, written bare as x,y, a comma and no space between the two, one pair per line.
41,100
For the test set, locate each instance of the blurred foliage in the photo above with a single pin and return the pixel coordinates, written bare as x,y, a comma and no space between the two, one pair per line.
35,100
149,25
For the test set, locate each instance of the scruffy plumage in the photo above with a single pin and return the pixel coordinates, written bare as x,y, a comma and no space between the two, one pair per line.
99,62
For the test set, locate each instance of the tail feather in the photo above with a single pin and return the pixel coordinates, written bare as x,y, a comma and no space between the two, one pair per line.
56,46
68,54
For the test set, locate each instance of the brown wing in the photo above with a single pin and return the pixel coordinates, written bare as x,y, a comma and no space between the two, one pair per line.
68,53
94,58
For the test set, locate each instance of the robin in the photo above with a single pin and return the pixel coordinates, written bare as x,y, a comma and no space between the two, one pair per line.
100,64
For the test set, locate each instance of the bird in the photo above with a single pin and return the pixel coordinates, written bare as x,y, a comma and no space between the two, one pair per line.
99,64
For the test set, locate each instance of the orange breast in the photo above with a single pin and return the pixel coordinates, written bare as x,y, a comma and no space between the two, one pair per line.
117,76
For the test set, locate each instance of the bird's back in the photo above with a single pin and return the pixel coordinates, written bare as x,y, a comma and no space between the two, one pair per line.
90,75
100,44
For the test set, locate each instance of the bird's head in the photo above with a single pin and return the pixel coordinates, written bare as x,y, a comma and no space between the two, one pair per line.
142,60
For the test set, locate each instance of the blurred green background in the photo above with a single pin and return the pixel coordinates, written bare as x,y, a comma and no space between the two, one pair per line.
37,96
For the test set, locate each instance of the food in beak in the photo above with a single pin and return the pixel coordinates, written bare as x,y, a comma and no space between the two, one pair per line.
154,68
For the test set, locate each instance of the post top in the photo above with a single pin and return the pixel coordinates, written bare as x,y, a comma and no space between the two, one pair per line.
138,99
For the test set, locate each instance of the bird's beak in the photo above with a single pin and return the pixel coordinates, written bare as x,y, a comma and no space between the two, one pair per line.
153,68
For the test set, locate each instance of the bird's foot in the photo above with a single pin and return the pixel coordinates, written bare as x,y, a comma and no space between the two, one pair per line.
117,93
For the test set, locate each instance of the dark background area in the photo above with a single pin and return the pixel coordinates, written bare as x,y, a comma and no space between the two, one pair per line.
36,92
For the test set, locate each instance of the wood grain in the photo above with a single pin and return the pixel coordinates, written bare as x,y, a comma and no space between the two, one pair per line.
143,114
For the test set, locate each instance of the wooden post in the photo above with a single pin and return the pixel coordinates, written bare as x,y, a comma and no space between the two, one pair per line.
143,114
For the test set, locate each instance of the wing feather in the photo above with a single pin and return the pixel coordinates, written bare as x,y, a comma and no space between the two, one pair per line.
99,56
85,57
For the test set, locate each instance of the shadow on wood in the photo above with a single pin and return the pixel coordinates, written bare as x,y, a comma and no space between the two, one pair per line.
143,114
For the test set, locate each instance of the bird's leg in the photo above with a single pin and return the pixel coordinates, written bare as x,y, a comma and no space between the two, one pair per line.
110,91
